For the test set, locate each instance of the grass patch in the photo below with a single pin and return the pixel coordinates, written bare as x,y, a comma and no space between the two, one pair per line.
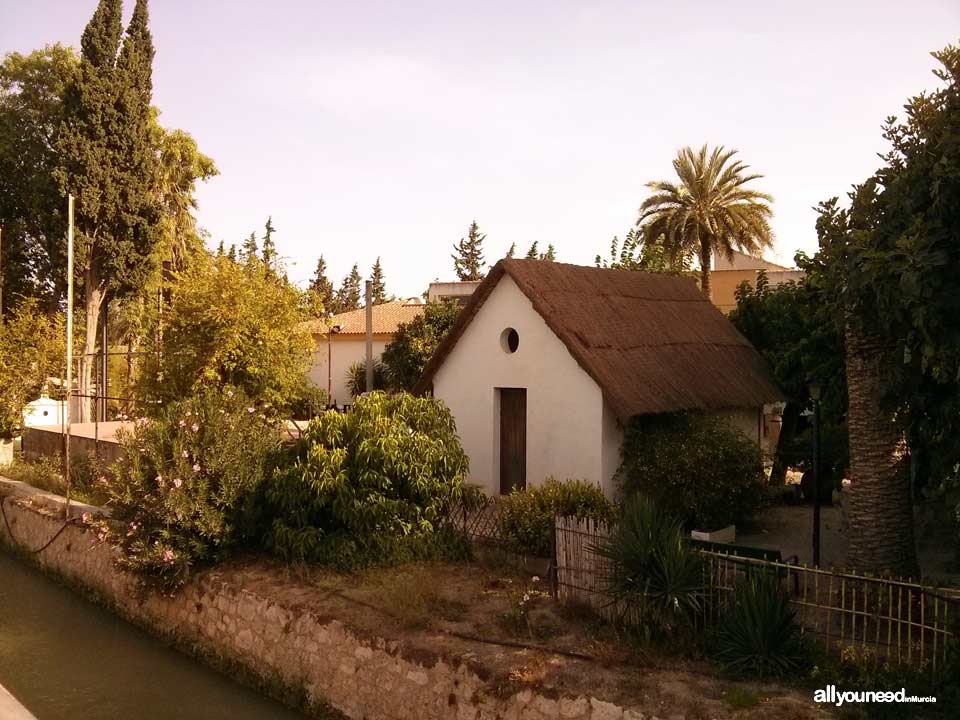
741,698
411,595
46,473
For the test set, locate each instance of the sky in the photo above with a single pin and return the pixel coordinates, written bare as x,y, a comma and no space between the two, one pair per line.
382,129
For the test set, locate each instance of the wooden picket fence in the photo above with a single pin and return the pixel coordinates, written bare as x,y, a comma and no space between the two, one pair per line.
890,620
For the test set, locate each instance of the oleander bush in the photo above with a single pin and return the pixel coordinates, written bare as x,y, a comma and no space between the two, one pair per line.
369,486
527,516
189,489
694,467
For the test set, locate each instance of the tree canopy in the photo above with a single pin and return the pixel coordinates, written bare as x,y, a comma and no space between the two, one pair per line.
468,254
415,342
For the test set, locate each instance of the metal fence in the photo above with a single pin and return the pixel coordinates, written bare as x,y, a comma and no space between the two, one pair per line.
889,620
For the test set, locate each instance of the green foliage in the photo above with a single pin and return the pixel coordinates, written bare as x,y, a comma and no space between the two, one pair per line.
32,348
468,255
710,209
795,329
307,402
368,486
32,211
758,635
695,467
527,516
415,342
635,254
651,569
228,324
357,377
188,490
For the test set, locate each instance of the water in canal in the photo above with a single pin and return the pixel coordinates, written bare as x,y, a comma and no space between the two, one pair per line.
65,658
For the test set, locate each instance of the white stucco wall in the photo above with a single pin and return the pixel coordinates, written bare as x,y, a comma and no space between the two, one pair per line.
568,434
344,352
749,421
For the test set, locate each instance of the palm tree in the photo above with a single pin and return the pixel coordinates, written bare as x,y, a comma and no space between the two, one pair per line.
708,210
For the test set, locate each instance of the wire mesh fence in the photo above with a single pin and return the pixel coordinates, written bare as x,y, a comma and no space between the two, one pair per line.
887,619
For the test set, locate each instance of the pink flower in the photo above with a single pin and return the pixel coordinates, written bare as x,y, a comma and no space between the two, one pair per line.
196,467
160,481
194,427
177,482
250,410
229,393
102,480
182,423
85,518
184,454
168,556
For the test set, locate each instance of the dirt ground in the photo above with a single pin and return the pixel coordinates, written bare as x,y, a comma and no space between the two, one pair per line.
789,528
469,611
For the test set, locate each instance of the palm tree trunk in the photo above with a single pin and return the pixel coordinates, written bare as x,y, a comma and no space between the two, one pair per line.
880,509
706,253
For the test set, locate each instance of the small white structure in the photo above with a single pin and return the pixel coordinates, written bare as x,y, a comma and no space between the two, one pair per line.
45,411
459,290
548,361
341,339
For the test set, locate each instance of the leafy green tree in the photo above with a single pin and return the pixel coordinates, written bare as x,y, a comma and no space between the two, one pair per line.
415,342
891,264
468,254
378,288
108,160
32,213
795,329
228,324
709,210
349,295
533,253
32,348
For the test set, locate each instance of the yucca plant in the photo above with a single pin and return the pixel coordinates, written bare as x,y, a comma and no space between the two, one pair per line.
758,634
357,378
651,569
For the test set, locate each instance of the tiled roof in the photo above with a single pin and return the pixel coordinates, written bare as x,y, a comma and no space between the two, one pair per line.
386,318
653,343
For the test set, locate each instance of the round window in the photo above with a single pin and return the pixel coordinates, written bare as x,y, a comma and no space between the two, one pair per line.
509,340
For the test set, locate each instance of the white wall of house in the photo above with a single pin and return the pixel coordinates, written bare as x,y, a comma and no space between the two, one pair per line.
569,435
345,351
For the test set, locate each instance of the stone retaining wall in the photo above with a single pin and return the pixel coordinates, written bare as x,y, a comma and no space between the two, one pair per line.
314,662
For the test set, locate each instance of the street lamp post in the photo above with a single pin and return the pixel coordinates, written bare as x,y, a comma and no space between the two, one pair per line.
815,392
330,333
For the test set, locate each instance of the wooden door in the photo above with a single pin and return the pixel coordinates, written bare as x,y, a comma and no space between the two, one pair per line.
513,439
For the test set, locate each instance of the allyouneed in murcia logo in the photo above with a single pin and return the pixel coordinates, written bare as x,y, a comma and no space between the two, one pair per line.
830,694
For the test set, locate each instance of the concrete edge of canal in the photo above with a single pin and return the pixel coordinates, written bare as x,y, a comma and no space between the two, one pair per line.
10,707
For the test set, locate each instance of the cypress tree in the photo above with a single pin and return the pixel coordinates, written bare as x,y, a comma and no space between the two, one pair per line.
108,161
269,249
348,296
378,288
533,253
512,250
468,255
321,287
550,254
249,251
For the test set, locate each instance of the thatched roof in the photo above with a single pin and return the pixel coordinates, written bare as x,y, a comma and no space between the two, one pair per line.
653,343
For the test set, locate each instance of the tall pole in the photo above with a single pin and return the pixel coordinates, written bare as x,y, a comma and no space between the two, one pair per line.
368,291
816,482
69,378
104,362
1,274
329,367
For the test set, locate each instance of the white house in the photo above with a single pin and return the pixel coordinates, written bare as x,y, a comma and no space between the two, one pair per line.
342,339
548,361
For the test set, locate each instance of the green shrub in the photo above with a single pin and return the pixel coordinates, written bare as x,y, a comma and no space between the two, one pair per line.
368,486
188,488
695,467
307,401
651,569
527,516
758,635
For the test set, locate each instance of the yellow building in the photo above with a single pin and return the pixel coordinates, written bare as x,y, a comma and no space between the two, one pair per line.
727,276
